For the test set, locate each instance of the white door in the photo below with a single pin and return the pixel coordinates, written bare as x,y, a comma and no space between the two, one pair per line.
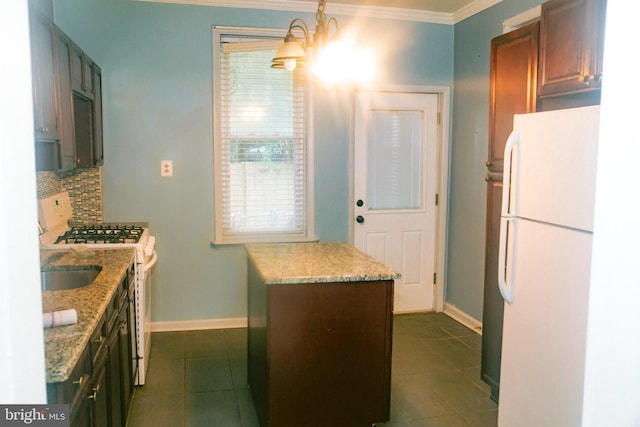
395,181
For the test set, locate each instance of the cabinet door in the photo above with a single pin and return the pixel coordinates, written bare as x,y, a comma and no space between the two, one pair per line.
67,135
126,375
571,42
99,396
82,72
44,82
493,305
514,63
514,60
114,368
98,150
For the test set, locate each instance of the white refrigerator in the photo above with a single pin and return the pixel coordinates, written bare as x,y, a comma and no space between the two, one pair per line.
544,265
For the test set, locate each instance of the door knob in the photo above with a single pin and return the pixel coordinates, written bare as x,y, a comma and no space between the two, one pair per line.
359,219
359,203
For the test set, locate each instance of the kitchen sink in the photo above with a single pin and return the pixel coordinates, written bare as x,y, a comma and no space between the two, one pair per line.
57,280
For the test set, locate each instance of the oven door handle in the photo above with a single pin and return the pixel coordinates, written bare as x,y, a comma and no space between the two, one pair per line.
152,261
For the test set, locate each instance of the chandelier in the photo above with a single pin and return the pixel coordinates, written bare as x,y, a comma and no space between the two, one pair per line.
335,57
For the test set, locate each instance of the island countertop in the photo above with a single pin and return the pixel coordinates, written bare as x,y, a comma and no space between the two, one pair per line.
287,263
64,344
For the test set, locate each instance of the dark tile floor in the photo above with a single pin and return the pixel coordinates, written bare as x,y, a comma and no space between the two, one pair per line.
199,378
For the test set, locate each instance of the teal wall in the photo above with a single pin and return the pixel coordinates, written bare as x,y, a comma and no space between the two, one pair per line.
467,208
157,82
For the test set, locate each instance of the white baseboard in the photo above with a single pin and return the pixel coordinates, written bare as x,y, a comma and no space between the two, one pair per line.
194,325
462,317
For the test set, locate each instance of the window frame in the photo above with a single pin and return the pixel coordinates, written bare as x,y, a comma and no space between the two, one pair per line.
263,237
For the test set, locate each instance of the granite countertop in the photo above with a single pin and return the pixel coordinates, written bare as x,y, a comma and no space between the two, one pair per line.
64,344
316,263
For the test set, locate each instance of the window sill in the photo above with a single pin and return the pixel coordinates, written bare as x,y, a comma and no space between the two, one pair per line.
263,239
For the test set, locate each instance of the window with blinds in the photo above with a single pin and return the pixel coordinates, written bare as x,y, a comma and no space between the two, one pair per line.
261,145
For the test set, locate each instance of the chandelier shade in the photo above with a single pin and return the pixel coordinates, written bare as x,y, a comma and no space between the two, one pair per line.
319,50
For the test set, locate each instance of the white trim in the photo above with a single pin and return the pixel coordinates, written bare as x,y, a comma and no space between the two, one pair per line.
522,19
309,236
196,325
472,8
444,143
381,12
463,318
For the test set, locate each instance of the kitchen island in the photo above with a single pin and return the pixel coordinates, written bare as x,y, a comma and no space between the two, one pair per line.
320,333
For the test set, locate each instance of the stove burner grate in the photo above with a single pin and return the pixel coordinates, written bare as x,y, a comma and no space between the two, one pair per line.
101,233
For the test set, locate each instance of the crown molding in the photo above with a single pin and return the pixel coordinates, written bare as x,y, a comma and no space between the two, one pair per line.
472,8
381,12
333,9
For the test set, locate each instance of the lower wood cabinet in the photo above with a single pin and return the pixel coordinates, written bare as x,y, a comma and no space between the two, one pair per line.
319,354
100,387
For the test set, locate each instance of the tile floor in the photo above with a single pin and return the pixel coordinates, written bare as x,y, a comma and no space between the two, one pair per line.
198,378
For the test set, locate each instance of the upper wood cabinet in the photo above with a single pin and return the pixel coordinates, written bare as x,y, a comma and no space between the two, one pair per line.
63,72
514,64
67,93
44,78
571,45
82,72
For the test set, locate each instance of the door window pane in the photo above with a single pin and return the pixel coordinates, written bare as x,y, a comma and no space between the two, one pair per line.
394,144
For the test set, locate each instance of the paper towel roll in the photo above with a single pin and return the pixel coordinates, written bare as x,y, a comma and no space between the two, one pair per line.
59,318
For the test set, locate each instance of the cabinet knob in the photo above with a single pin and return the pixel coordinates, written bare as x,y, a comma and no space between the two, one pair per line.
99,340
488,163
359,203
585,78
359,219
80,380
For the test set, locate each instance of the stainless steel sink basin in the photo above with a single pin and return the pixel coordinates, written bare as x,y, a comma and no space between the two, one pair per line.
57,280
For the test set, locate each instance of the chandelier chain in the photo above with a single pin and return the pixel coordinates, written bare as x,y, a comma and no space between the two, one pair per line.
320,15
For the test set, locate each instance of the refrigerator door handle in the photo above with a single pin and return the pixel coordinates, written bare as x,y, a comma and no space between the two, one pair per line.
509,149
505,284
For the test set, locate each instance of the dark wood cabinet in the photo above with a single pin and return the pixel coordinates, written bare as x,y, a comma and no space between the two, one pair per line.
571,46
100,388
63,73
126,371
514,67
553,64
97,155
319,354
100,392
74,391
514,60
67,92
82,72
115,382
44,78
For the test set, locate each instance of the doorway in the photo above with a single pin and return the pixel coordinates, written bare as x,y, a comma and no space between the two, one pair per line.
398,197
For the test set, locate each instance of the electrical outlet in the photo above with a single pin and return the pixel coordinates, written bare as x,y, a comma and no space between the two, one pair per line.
166,168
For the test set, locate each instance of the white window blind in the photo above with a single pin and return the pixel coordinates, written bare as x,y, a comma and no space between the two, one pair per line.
261,176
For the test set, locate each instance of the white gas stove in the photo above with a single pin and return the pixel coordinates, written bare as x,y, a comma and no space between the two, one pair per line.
54,215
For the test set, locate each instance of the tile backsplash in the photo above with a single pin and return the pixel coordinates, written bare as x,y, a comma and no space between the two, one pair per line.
84,187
